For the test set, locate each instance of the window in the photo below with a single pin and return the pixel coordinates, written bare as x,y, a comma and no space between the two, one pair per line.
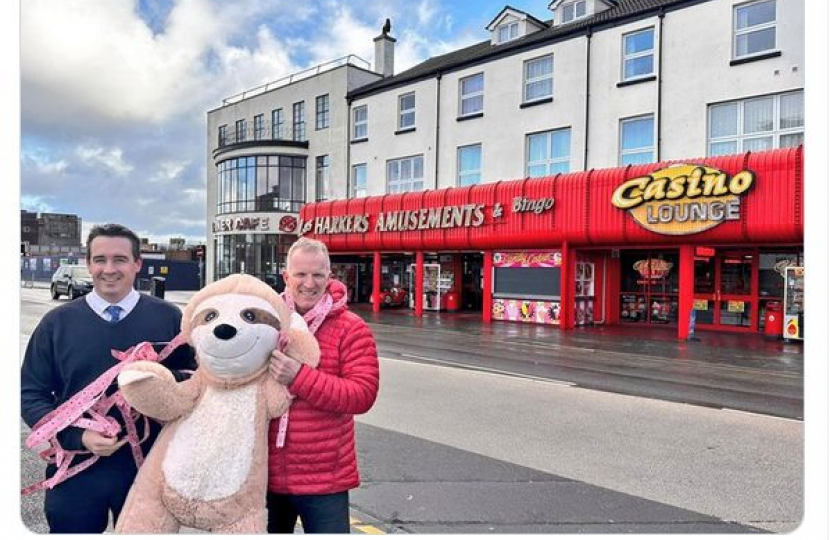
405,174
322,121
637,140
259,128
638,54
223,135
241,127
299,121
322,178
471,94
261,183
358,188
754,28
406,111
277,124
548,153
539,78
469,165
508,32
573,11
755,124
361,122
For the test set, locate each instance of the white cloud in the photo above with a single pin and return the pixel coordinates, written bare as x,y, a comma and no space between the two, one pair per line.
115,108
112,159
35,204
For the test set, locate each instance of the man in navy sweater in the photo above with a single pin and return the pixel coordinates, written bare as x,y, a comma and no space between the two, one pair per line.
69,349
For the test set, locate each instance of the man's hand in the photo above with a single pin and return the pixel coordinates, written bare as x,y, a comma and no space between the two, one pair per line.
283,368
99,444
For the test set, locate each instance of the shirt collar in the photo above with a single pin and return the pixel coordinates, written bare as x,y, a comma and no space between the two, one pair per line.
126,304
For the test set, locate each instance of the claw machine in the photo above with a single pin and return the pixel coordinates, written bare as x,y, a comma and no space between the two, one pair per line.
794,302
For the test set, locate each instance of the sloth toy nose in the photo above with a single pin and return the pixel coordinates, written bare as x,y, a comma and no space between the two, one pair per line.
224,331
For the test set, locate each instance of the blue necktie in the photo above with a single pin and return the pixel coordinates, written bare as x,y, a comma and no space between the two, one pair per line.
115,313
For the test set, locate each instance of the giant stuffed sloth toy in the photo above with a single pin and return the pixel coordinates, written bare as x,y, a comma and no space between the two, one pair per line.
209,466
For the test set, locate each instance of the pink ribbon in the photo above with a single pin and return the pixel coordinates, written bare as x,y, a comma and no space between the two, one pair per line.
93,402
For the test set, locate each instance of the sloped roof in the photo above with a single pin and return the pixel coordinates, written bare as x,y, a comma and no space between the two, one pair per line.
526,14
485,50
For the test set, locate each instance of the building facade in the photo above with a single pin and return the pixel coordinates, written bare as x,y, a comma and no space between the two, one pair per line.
270,151
602,85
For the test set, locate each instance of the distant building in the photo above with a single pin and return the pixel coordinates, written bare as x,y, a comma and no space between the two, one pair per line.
28,227
51,234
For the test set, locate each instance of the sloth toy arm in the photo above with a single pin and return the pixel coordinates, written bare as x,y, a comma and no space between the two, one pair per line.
153,391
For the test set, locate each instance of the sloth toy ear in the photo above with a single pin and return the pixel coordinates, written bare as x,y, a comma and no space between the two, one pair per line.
302,345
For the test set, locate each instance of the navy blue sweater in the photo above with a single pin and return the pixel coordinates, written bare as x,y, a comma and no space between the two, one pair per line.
71,347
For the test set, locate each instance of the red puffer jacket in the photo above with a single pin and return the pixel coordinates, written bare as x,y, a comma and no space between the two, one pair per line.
319,452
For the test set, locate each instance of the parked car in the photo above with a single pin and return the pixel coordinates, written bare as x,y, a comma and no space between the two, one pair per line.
73,280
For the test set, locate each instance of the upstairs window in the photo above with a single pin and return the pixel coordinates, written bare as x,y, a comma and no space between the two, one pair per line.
573,11
361,122
638,54
471,95
322,178
223,135
406,111
637,140
754,28
259,127
469,165
299,121
548,153
755,124
508,32
241,127
405,174
358,187
539,78
277,124
322,121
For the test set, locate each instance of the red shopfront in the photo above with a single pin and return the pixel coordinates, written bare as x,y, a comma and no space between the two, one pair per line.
647,244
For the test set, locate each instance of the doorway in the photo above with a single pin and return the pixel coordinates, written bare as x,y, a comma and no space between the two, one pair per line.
723,296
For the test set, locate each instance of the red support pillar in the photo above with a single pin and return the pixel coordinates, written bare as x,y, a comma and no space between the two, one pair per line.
566,289
376,283
687,290
487,288
419,283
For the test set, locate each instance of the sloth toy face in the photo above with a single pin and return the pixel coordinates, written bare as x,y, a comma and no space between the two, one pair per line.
234,334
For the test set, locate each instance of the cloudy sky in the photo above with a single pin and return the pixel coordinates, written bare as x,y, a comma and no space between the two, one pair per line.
114,93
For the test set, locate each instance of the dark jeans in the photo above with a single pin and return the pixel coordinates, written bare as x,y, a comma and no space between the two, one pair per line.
320,514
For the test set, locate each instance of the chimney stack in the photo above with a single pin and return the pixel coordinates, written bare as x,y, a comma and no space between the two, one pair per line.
385,51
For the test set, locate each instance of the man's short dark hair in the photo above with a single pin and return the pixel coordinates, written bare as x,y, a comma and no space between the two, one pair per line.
116,231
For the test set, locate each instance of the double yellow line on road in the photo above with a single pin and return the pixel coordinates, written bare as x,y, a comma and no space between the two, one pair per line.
364,528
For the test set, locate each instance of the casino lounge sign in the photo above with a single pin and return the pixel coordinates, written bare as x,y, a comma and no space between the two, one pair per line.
684,199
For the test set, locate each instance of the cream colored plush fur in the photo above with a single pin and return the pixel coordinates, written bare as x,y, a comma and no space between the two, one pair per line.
208,467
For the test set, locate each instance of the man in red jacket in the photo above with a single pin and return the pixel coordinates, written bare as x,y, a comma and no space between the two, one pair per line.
312,461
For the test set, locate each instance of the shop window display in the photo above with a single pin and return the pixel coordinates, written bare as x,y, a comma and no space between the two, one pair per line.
649,287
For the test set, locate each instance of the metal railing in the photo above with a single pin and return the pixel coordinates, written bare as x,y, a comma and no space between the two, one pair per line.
351,59
284,132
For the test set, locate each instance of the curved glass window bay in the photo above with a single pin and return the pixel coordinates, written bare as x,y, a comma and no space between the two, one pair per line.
261,183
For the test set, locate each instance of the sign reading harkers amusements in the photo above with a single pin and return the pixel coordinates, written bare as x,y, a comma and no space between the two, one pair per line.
684,199
421,219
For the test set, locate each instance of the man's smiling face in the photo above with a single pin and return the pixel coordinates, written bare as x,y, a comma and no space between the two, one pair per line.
307,277
113,267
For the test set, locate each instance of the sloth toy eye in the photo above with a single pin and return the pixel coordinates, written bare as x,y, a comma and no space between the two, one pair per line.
249,315
210,315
